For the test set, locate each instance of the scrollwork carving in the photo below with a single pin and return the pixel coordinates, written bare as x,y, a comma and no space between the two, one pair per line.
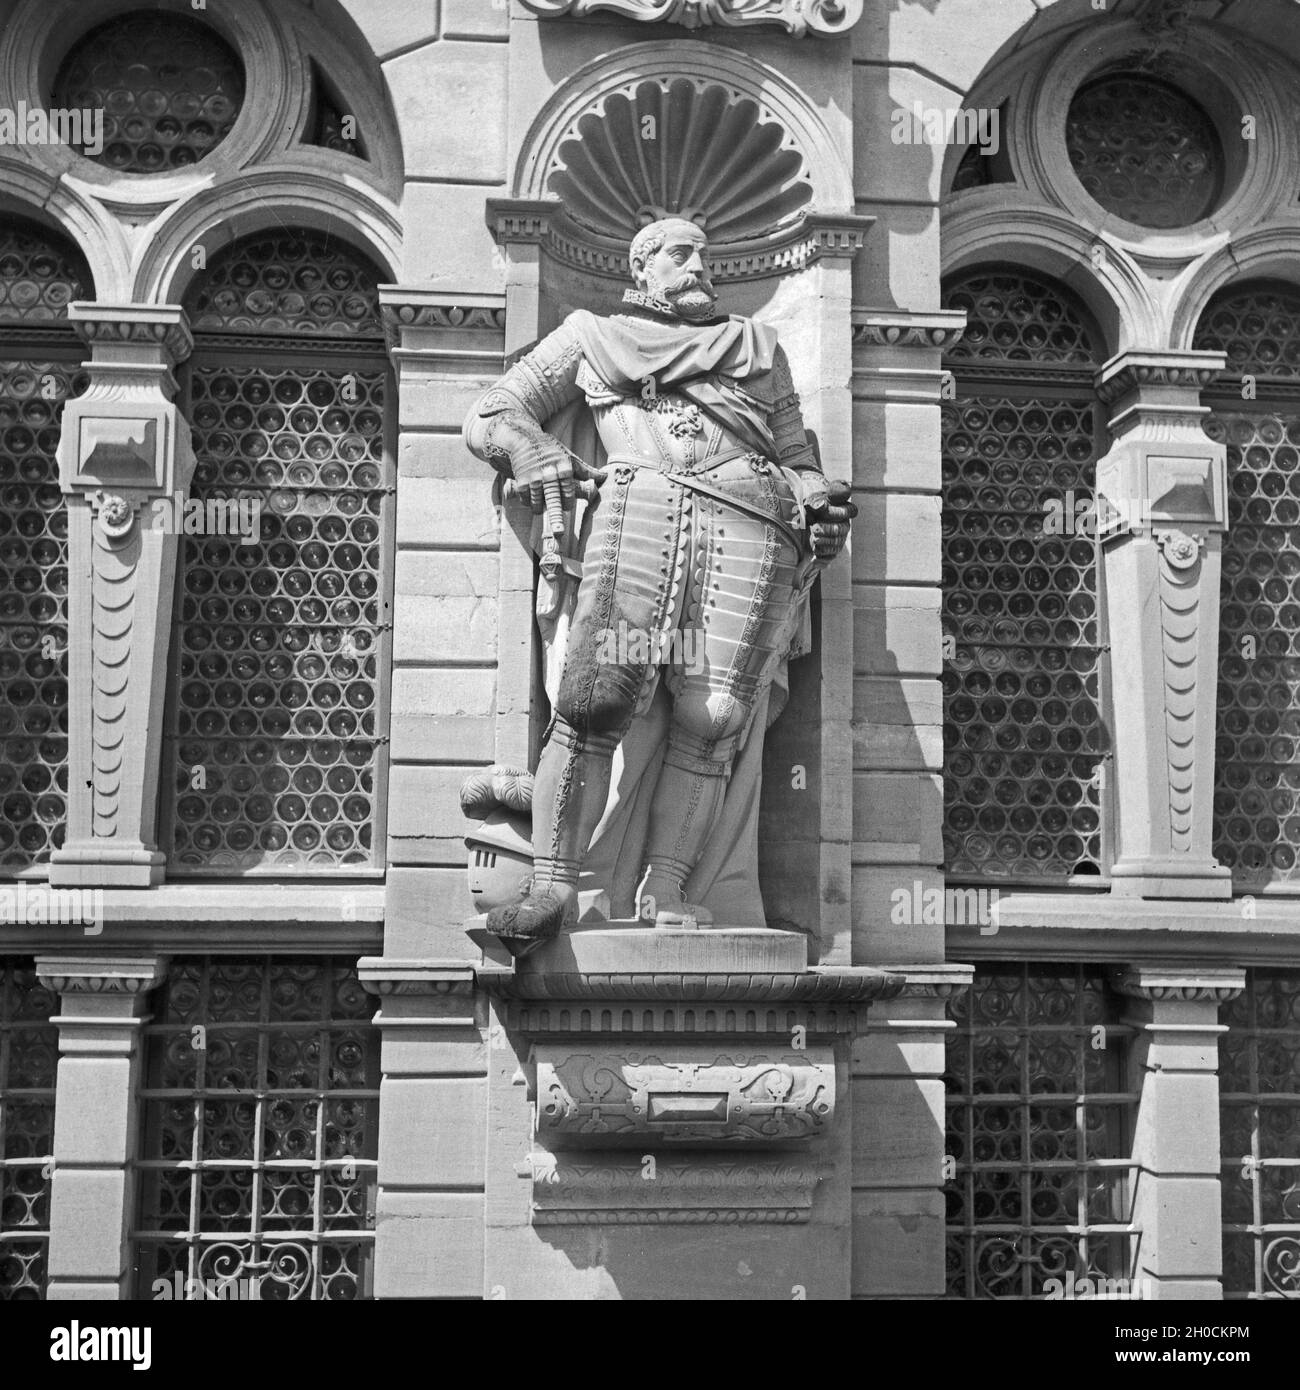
671,1096
797,17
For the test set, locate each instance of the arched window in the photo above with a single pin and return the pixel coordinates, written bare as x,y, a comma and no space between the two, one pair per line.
1255,412
275,720
40,356
1023,730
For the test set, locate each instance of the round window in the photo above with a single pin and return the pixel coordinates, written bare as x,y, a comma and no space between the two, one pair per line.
169,89
1144,150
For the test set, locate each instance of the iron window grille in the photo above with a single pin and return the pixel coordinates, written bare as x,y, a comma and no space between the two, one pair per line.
29,1051
1259,1096
1039,1134
40,369
1255,413
260,1126
1024,680
277,715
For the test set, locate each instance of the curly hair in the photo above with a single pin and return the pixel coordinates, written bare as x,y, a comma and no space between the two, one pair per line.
651,238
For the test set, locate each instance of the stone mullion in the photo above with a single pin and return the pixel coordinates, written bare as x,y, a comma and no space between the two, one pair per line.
97,1120
1162,499
1173,1066
124,457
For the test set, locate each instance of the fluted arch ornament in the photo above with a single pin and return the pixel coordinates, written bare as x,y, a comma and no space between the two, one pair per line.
823,18
714,136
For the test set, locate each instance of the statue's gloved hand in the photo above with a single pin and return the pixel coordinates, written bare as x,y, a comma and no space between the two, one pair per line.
830,512
538,462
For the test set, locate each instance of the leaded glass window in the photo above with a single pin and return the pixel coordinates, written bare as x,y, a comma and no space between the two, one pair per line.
1255,413
1039,1132
330,127
261,1115
1259,1095
170,89
39,370
1024,734
1144,150
29,1052
276,727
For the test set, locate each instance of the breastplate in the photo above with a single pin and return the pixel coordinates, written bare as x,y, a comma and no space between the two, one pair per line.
669,429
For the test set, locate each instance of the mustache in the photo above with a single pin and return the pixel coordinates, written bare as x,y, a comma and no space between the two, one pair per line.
685,283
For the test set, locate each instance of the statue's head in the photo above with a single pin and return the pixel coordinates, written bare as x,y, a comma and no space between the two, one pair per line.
668,260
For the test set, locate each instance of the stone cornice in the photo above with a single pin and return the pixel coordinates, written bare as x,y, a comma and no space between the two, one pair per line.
101,975
1179,984
823,18
820,985
816,236
899,328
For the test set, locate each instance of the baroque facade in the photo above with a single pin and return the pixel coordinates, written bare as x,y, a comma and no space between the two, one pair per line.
1026,1010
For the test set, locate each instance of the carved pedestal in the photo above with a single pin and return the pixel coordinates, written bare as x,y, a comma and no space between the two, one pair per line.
1162,500
645,1090
124,446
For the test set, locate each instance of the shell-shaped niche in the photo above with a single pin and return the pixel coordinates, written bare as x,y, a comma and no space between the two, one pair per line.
680,147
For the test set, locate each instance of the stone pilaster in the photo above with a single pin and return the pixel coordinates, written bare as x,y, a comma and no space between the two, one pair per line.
446,349
1162,512
433,1099
898,381
834,241
125,461
899,1169
521,228
96,1120
1173,1065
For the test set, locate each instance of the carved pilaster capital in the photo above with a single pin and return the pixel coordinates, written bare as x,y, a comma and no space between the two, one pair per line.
384,977
120,975
522,220
835,235
822,18
1179,984
414,317
1158,378
146,332
888,328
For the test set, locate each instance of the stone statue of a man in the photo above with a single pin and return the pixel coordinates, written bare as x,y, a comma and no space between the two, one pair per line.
711,514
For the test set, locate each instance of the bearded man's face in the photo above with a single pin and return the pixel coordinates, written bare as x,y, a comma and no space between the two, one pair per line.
679,273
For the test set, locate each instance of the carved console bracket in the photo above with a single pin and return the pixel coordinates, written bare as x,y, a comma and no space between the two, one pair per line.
680,1076
823,18
124,448
1161,512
